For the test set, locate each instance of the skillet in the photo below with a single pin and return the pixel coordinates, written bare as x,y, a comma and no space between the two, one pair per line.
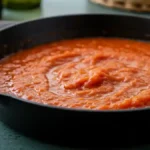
72,126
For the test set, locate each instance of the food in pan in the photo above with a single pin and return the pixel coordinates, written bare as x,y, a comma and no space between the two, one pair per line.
89,73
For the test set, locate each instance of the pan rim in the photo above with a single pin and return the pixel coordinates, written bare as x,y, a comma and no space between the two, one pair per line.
72,15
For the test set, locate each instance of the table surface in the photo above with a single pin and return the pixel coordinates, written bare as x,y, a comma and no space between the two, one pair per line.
63,7
11,140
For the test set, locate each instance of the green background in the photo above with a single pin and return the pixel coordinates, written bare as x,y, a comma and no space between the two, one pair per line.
9,139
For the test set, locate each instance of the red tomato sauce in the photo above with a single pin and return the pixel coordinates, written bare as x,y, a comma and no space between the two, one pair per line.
92,73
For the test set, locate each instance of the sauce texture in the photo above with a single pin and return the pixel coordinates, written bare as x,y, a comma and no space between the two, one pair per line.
91,73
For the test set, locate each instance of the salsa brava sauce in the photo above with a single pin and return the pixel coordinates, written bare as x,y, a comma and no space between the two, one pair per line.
90,73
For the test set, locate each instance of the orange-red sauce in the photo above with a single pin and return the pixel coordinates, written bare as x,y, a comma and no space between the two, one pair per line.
94,73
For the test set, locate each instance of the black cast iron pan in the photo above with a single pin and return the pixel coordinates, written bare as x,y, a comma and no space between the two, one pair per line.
70,126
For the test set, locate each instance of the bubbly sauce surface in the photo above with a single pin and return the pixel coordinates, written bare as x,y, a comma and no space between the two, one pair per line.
92,73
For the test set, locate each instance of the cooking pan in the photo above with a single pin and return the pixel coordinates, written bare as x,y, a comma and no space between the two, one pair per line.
73,126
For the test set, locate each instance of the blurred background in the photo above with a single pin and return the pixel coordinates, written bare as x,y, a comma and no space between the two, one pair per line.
21,10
